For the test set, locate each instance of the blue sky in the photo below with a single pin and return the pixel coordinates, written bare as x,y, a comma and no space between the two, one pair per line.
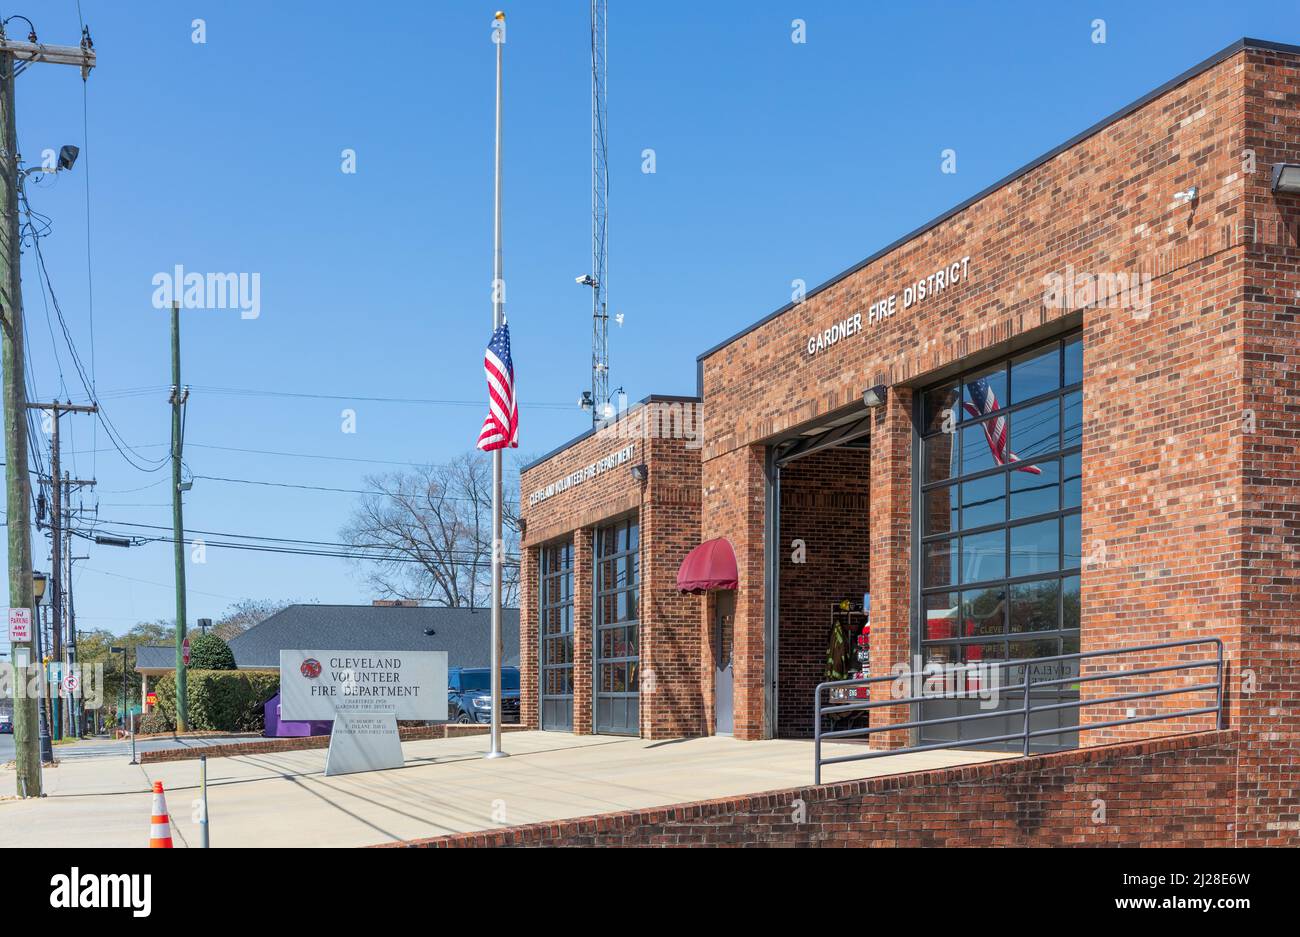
775,160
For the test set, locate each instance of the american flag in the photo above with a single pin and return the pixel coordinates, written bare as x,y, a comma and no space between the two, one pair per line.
501,428
984,401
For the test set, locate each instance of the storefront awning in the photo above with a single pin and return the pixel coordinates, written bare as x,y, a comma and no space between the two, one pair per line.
711,565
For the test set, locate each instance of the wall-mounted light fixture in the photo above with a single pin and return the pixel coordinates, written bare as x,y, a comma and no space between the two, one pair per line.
1286,178
641,472
875,396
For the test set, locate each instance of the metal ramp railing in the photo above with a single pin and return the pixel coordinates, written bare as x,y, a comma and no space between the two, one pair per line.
1027,709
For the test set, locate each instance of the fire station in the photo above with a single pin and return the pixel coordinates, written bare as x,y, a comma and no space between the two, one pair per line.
1058,419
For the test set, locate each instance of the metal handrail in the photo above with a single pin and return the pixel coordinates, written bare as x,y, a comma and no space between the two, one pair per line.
1027,708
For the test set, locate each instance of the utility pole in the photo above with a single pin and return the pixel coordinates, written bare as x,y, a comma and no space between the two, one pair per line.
57,547
76,711
18,488
78,697
179,396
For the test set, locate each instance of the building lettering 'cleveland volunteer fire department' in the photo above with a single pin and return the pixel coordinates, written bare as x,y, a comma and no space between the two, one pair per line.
1062,417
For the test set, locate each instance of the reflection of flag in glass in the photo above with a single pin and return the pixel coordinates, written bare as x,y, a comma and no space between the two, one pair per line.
983,402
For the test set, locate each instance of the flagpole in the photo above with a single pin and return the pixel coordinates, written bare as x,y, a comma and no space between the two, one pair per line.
498,314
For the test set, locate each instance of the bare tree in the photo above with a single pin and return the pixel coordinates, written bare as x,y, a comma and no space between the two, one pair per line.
244,614
430,531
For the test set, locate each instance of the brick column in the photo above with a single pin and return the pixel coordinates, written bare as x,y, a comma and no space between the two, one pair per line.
891,553
734,489
671,702
529,639
583,577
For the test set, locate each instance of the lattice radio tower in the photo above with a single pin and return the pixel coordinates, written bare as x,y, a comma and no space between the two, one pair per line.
601,405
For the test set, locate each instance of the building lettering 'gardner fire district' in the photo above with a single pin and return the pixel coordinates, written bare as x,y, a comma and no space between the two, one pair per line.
1062,416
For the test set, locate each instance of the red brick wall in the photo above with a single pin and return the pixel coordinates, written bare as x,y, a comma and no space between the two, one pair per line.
891,552
583,604
672,704
530,649
667,506
1169,792
1266,684
825,500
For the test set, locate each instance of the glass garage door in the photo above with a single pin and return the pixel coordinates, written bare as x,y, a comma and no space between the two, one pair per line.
556,629
617,638
998,537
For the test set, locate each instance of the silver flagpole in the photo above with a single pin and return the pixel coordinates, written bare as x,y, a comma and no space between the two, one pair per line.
498,314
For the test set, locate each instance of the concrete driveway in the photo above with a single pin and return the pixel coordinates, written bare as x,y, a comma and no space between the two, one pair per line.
446,786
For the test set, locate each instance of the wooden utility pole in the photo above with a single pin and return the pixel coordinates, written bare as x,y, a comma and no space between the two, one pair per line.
18,488
57,546
75,700
179,396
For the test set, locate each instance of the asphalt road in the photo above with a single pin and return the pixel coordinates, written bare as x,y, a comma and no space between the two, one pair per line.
107,748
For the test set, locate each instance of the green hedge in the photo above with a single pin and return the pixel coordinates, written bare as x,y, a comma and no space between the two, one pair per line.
220,700
209,652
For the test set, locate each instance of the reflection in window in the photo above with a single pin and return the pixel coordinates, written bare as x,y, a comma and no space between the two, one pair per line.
999,541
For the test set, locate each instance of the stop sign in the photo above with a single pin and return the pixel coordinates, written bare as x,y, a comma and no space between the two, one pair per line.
185,652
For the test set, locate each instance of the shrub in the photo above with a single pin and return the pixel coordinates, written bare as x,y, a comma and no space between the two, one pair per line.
209,652
156,722
221,700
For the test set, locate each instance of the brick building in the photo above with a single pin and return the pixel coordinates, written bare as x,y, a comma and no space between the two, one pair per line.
1060,417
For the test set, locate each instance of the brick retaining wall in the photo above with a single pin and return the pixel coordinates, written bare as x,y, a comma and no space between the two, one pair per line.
1173,791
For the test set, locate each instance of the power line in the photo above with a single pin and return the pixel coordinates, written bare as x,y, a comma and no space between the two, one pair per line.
287,540
251,392
150,582
354,491
304,550
87,383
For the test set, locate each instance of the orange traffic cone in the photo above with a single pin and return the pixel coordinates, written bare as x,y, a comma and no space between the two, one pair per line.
160,829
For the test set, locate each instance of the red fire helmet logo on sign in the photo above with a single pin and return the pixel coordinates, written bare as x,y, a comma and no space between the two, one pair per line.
310,668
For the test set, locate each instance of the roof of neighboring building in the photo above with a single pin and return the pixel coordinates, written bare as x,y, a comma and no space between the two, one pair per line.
462,632
155,657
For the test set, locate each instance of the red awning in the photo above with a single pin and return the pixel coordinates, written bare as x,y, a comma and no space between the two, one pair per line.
711,565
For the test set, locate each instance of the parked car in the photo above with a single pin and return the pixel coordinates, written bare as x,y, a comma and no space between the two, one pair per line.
469,694
6,727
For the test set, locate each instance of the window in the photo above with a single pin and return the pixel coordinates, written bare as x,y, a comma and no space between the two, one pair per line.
999,497
617,628
555,625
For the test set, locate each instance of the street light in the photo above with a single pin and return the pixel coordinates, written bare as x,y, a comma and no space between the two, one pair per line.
125,715
39,580
1286,178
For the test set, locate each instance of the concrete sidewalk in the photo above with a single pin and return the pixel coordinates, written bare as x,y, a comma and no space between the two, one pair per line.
446,786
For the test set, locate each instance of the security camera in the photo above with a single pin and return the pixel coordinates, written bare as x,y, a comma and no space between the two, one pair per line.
585,280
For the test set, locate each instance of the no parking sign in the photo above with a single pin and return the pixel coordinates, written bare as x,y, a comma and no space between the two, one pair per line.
20,624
